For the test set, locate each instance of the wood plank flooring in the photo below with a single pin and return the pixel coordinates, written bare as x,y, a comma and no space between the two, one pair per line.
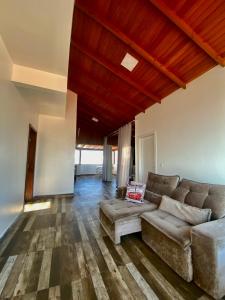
63,253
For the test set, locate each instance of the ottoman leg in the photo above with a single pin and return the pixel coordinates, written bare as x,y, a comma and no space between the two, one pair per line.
117,238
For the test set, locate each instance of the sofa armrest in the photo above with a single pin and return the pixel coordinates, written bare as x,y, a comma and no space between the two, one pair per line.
213,230
208,253
121,192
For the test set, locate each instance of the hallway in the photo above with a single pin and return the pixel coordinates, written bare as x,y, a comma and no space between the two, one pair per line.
62,253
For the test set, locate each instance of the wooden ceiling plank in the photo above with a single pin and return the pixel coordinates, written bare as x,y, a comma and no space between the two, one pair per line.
83,90
124,38
87,133
114,70
96,98
101,120
179,22
107,87
95,111
102,128
91,126
104,122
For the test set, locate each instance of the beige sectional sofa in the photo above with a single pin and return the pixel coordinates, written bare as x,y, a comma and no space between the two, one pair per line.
195,252
119,217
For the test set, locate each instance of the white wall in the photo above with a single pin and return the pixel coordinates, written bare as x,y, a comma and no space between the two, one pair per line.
55,147
55,151
15,117
190,129
43,48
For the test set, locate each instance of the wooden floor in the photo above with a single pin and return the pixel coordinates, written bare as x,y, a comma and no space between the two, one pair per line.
63,253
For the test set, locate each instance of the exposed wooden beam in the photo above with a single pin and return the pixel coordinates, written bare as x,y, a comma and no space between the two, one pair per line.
95,111
125,39
107,87
112,68
102,127
88,114
91,126
169,13
89,133
95,103
98,99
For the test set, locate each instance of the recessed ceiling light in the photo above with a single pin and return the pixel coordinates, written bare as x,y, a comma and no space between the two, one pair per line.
129,62
95,119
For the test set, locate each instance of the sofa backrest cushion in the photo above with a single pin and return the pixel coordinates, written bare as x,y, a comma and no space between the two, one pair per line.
153,197
202,195
161,184
188,213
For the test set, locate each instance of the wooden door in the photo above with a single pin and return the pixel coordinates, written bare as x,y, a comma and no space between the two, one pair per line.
30,168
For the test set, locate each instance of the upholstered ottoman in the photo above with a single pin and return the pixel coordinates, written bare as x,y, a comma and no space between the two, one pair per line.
119,217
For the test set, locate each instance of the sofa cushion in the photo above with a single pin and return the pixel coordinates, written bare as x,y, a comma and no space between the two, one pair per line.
161,184
187,213
202,195
180,193
116,209
172,227
153,197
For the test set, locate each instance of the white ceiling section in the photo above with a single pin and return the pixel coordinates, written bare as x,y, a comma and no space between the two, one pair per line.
29,76
37,32
37,35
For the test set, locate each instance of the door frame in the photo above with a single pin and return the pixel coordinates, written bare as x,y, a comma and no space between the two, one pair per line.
138,153
31,129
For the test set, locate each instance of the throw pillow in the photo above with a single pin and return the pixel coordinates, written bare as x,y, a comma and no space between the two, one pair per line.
187,213
135,192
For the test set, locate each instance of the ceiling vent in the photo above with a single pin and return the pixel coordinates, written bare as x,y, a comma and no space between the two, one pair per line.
129,62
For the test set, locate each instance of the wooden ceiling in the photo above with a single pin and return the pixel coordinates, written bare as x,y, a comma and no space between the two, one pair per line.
174,42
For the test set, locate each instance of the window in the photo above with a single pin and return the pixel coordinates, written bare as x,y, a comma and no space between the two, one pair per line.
91,157
88,157
115,157
77,157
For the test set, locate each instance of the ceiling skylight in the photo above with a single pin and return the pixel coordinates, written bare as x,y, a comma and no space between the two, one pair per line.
95,119
129,62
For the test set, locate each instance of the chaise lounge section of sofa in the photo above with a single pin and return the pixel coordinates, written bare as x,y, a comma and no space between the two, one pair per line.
193,249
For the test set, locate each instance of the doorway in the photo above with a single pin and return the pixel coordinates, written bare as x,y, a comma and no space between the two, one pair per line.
30,167
146,156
